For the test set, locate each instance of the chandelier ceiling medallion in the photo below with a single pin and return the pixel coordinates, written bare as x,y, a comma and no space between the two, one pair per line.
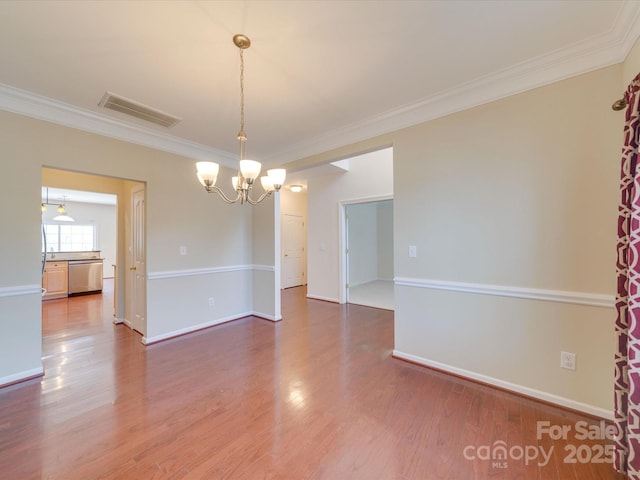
249,170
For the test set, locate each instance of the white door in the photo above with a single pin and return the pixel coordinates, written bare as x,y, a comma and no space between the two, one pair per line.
138,265
293,269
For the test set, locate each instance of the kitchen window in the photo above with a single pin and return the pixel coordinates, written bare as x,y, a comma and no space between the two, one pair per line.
70,238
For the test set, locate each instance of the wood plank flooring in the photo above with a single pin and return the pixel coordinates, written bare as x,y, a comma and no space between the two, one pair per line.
316,396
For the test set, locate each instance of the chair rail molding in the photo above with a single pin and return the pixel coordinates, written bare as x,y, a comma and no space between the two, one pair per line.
561,296
207,271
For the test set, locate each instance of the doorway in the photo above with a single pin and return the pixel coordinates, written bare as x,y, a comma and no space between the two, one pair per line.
293,251
115,265
368,256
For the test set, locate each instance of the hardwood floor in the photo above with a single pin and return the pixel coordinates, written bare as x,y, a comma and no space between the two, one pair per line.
316,396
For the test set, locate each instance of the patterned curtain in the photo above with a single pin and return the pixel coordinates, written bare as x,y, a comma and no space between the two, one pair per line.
627,381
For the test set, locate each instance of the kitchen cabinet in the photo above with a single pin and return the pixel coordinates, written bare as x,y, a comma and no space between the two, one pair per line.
56,279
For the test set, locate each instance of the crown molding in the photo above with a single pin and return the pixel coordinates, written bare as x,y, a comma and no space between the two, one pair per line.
26,103
596,52
592,54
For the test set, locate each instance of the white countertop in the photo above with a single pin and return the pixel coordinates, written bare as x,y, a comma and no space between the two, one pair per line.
62,256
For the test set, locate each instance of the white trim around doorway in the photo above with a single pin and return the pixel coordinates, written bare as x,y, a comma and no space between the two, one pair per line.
342,237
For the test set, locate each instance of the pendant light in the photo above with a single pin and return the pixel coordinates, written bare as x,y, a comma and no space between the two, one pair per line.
61,209
249,170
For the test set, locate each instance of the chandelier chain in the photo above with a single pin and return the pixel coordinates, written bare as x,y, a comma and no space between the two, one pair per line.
241,90
242,137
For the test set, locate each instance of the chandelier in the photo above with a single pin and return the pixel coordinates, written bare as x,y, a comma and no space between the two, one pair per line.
62,210
249,170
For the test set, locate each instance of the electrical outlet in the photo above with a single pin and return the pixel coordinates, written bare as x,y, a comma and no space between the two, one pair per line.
212,301
183,250
413,251
568,360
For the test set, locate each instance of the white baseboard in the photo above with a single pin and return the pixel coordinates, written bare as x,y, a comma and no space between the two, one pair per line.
201,326
325,299
21,377
128,323
118,321
20,290
529,392
194,328
266,316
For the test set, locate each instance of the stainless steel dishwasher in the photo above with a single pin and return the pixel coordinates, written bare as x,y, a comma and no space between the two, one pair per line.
85,276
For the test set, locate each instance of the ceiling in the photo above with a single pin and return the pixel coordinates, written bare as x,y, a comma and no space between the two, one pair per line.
59,196
319,74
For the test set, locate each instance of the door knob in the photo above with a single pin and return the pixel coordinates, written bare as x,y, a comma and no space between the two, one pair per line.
133,267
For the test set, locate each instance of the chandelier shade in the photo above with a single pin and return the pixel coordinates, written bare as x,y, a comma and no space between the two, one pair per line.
267,183
248,170
207,173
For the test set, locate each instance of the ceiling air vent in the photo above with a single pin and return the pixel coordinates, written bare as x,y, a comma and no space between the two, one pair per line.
138,110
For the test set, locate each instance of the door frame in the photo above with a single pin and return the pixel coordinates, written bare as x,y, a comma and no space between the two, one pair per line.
343,240
123,199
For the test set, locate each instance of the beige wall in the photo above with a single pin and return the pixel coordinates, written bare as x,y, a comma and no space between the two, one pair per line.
265,251
293,203
385,240
518,192
509,200
179,213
